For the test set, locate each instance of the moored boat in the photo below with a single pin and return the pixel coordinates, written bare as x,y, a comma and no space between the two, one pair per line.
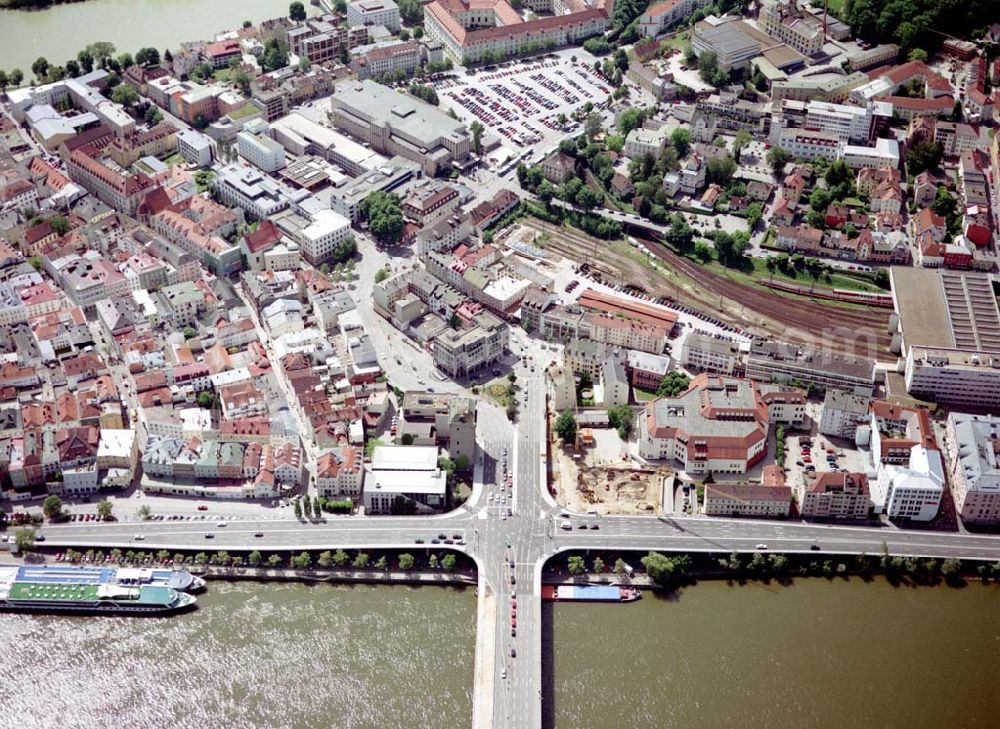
22,593
590,593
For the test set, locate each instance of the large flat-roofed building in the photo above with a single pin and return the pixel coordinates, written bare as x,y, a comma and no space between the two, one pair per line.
397,124
733,41
260,150
404,478
973,447
244,187
784,362
948,332
300,135
373,12
832,88
470,29
628,308
719,425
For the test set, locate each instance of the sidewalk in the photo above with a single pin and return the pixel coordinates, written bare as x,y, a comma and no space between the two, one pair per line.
333,575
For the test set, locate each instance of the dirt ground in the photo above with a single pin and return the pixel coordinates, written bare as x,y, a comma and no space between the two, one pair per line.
612,488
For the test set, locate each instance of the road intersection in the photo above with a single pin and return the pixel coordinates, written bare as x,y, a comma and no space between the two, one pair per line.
534,534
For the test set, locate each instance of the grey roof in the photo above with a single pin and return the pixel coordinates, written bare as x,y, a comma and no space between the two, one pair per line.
409,116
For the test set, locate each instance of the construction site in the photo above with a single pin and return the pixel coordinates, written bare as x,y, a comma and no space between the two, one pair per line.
598,474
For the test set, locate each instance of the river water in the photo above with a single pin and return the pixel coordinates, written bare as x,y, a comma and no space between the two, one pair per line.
58,32
816,655
253,656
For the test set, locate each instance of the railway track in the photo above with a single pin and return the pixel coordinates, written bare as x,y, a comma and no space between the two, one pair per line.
845,330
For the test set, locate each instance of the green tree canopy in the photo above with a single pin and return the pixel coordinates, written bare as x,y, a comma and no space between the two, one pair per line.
52,507
674,383
566,427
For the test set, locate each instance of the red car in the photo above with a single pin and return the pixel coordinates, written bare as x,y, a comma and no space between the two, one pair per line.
202,507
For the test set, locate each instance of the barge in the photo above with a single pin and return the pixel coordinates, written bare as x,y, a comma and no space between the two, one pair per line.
590,593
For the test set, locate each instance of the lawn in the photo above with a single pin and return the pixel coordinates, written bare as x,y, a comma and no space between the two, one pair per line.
643,395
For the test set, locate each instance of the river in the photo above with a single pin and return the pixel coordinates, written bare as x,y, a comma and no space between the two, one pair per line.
252,656
817,654
58,32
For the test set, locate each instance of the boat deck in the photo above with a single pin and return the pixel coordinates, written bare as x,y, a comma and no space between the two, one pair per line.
41,591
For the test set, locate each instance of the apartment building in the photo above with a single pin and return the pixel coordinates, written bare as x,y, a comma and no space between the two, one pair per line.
782,19
258,149
463,352
340,473
404,56
747,500
973,449
319,235
124,192
843,412
708,353
834,495
660,16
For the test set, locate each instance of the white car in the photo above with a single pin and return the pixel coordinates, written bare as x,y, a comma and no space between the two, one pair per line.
761,545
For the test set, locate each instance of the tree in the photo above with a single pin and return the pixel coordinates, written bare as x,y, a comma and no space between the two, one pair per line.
101,52
720,169
297,12
125,94
384,215
317,509
917,54
406,561
754,214
586,198
382,274
360,561
206,400
956,111
85,60
382,563
951,569
449,562
52,507
598,565
16,77
144,512
924,154
24,539
275,55
411,12
575,565
476,128
743,138
663,569
432,562
72,68
302,561
40,68
777,158
153,116
566,427
298,509
621,418
241,79
592,124
275,560
620,567
680,138
147,57
104,509
673,384
254,558
340,558
306,506
708,69
630,119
